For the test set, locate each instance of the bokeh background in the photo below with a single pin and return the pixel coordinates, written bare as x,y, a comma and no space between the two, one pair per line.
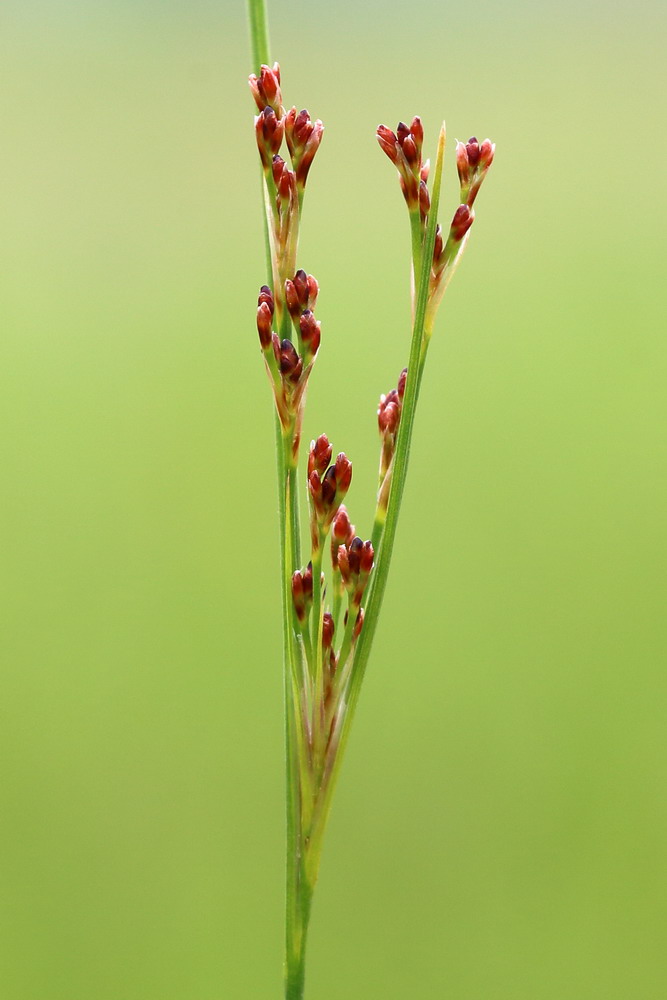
499,829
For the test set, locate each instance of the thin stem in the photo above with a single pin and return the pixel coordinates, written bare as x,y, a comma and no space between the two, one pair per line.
298,894
259,33
401,457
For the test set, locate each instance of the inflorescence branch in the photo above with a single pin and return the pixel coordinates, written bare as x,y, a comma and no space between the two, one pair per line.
325,599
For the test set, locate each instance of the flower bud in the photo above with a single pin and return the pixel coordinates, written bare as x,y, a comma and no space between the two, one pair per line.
319,455
265,88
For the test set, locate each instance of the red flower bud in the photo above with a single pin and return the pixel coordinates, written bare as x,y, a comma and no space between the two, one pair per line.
319,455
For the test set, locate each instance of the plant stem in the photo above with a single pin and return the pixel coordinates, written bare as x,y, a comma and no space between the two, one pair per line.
401,457
298,894
259,33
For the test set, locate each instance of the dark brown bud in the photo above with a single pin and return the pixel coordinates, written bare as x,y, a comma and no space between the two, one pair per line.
301,293
366,558
298,595
319,455
354,551
269,133
472,149
328,629
402,132
266,295
264,319
289,359
329,486
461,223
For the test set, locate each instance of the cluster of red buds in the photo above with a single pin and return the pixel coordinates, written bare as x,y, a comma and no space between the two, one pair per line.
473,160
327,485
301,293
303,139
404,149
389,417
288,369
342,533
285,183
355,562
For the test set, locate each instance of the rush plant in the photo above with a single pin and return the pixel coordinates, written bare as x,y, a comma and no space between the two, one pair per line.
331,599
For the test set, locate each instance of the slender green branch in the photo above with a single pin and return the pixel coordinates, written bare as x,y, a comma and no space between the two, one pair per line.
404,437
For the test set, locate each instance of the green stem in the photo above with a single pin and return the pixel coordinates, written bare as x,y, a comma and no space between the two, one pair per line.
401,457
259,33
298,894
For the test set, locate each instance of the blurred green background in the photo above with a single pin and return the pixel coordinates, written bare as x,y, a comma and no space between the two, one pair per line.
499,829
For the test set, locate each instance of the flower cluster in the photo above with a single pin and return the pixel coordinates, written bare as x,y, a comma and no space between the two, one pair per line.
404,149
285,183
389,418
